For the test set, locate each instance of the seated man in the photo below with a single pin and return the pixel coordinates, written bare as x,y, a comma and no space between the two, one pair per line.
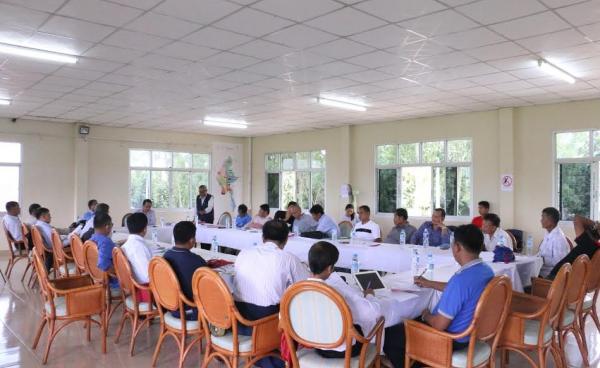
32,217
454,311
587,234
437,230
325,224
400,223
92,203
148,211
493,234
555,246
185,263
289,213
243,218
43,224
261,218
301,222
366,229
136,250
86,231
484,209
12,222
102,231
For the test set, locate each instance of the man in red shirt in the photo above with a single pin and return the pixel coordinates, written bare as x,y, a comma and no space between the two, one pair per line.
484,209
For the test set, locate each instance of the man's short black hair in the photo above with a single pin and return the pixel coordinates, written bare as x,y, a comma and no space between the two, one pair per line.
184,231
484,204
552,213
365,208
470,238
11,204
292,203
146,201
492,218
279,215
442,211
92,202
137,222
322,255
265,207
101,208
317,209
402,212
41,212
101,220
276,231
242,208
33,208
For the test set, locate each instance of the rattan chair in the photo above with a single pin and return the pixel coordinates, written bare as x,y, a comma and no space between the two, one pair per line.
345,229
217,308
63,260
40,248
17,250
225,220
26,238
592,291
316,316
77,252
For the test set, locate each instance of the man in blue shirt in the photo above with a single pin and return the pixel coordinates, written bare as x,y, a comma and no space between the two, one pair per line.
454,312
243,218
325,224
92,203
438,232
185,263
102,230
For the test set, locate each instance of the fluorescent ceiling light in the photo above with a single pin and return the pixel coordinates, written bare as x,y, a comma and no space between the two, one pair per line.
342,103
4,102
555,71
37,54
225,123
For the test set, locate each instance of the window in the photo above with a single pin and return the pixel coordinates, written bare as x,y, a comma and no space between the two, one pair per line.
10,167
423,176
170,179
296,177
577,157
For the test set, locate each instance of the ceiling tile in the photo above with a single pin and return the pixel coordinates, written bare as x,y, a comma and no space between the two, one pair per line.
346,22
140,4
162,25
112,53
444,61
71,72
298,11
100,12
494,11
216,38
49,6
50,42
397,10
584,13
231,60
469,39
74,28
341,48
493,78
374,59
161,62
187,51
552,41
531,26
135,40
497,51
252,22
592,31
14,16
336,68
369,76
439,23
262,49
203,12
300,37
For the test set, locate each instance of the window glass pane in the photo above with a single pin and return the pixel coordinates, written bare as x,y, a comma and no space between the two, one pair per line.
597,143
433,152
416,190
160,189
318,159
288,187
198,179
408,153
272,162
318,188
445,189
161,159
273,190
464,191
386,155
182,160
138,187
139,158
573,144
10,152
303,189
574,190
303,160
386,190
287,161
459,151
201,161
180,192
9,185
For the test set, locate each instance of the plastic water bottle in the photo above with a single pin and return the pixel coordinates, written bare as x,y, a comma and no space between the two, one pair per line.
352,236
295,229
154,237
430,265
451,238
402,237
426,238
162,222
355,267
334,235
529,245
415,263
214,247
501,242
255,244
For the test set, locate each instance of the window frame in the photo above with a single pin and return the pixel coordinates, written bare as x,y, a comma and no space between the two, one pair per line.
399,166
18,165
308,170
191,170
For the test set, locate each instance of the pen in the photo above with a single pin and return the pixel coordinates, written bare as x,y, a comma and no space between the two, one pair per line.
368,285
422,273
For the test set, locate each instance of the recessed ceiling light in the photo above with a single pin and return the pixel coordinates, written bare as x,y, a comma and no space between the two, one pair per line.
555,71
37,54
342,103
225,123
4,102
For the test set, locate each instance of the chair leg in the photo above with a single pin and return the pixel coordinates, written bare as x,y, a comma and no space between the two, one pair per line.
580,338
161,338
121,325
88,325
542,357
9,268
51,335
25,272
134,331
38,334
556,356
595,318
3,278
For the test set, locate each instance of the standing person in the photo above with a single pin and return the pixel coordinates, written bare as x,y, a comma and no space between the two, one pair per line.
400,223
12,222
555,246
492,233
350,215
366,229
243,218
205,206
436,229
148,211
259,220
92,203
483,208
325,224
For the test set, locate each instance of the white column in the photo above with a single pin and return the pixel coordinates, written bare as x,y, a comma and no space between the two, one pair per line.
506,165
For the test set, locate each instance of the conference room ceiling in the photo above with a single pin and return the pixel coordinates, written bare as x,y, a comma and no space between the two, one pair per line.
167,64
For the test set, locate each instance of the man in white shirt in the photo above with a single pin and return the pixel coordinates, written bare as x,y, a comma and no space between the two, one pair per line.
136,250
32,214
86,231
43,224
366,229
205,205
493,235
555,246
12,222
148,211
259,220
302,222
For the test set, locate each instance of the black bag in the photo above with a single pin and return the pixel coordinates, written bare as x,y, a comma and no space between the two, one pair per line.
314,235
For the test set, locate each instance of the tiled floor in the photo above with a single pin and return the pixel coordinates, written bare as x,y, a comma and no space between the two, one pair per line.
19,317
